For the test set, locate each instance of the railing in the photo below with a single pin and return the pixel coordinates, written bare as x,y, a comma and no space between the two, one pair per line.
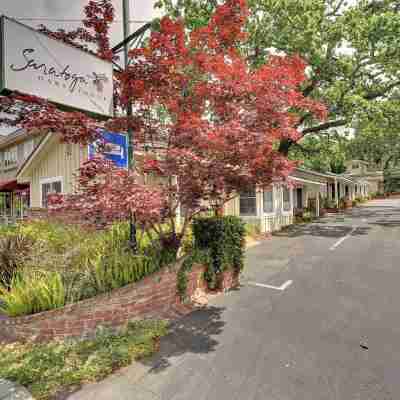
9,166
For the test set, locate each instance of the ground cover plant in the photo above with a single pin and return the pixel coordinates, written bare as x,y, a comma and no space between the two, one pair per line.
58,367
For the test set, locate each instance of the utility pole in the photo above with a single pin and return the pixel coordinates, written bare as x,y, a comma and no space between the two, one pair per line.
131,154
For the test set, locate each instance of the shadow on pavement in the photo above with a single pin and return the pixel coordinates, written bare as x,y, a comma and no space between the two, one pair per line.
387,223
194,333
330,231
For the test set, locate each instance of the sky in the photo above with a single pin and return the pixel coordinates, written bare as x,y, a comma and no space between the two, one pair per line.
33,10
68,14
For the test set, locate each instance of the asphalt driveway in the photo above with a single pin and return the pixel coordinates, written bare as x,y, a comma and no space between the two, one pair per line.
332,334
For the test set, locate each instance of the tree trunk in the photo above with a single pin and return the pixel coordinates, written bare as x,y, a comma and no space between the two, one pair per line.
284,146
132,235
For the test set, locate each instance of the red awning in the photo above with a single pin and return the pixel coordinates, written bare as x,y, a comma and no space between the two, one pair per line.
12,186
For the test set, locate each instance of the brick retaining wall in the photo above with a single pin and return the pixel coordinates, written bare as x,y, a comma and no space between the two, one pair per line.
153,297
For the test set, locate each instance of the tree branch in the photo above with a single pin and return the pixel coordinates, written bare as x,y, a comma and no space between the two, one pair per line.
334,12
323,127
375,95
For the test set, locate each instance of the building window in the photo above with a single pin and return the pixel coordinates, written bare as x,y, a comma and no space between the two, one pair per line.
50,186
28,148
287,206
248,203
268,201
11,156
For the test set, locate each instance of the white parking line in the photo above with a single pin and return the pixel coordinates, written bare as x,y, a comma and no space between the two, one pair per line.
340,241
281,288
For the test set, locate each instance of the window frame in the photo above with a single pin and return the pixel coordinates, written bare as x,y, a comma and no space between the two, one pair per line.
10,156
248,197
272,190
28,148
290,210
44,181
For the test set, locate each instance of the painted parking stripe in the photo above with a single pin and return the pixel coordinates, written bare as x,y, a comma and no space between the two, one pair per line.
281,288
340,241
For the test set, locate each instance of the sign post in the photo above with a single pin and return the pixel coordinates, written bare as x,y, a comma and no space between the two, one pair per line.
126,17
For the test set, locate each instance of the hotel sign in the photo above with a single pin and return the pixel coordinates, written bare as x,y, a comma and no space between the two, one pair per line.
114,148
35,64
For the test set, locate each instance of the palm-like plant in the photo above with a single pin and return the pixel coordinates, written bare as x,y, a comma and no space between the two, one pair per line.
13,250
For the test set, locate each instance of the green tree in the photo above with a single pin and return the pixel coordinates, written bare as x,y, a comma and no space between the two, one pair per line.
353,51
377,139
322,153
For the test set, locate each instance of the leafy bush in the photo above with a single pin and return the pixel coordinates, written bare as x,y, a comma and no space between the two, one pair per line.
6,230
88,262
13,250
224,238
328,203
33,292
117,269
252,229
48,369
58,237
306,217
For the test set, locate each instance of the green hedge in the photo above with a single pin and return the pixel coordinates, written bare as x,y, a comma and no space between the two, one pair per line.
224,238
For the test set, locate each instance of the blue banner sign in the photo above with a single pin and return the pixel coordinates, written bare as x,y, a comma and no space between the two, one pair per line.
115,148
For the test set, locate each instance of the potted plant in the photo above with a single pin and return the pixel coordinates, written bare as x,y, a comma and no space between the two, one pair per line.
330,206
322,208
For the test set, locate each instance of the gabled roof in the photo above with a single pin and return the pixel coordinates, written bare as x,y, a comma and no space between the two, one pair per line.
29,161
18,136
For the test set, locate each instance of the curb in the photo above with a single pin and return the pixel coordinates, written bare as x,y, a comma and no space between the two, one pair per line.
13,391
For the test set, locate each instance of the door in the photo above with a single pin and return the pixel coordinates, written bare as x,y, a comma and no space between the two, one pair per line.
299,198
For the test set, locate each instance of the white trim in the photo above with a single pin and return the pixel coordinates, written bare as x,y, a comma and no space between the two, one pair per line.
290,211
307,181
43,181
256,215
268,214
32,156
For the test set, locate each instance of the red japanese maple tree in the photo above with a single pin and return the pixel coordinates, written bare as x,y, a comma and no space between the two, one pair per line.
207,123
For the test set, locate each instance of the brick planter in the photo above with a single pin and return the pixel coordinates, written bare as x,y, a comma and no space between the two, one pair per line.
153,297
332,210
348,204
228,280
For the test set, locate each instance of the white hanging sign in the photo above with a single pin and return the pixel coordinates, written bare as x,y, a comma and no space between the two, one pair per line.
35,64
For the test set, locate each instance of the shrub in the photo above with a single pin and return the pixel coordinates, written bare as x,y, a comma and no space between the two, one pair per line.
224,238
307,216
117,269
252,229
33,292
329,203
13,250
8,229
88,262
